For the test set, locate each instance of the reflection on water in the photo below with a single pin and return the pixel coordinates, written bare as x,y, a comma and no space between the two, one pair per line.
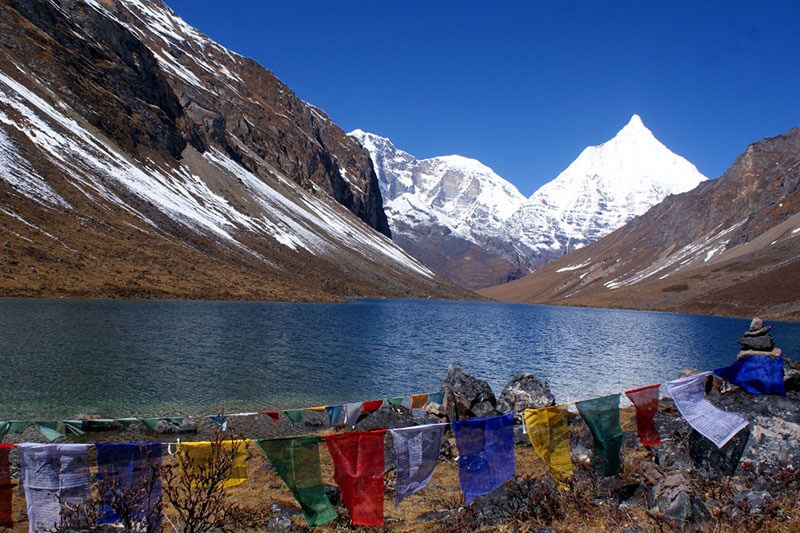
60,358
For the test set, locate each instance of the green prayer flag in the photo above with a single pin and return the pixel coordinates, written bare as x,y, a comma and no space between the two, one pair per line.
74,426
294,415
602,417
12,426
297,462
396,401
48,429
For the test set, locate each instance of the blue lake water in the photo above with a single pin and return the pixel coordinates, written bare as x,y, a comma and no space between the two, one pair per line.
61,358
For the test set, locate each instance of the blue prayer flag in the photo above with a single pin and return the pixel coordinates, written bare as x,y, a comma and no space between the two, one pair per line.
757,374
485,453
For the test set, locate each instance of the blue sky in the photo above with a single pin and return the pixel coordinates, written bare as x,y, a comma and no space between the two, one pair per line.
524,86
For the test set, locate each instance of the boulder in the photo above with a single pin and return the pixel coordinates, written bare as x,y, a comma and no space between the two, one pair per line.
675,499
713,462
524,391
466,396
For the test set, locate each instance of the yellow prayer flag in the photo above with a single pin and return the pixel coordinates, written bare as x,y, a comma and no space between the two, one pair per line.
418,401
202,454
548,431
320,409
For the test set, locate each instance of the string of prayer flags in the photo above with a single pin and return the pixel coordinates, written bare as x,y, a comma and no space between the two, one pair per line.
645,400
351,413
334,413
297,462
602,417
201,454
756,374
6,487
53,475
417,451
486,453
294,415
418,401
548,431
358,471
130,484
689,395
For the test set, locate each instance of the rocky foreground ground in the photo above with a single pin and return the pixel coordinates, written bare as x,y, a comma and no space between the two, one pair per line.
685,483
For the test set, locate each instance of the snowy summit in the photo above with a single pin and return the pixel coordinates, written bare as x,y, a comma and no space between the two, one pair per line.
605,187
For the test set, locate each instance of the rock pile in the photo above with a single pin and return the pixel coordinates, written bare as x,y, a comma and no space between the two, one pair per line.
757,341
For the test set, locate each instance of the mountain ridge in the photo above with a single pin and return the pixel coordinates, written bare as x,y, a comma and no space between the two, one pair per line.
729,247
144,160
603,188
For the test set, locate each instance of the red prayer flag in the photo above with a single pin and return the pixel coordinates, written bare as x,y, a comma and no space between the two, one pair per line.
6,487
645,400
372,405
358,470
274,415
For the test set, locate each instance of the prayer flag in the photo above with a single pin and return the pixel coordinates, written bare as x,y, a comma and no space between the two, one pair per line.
436,397
351,413
334,413
757,374
418,401
220,421
274,415
645,400
201,454
12,426
53,475
372,405
6,487
602,417
548,431
358,470
416,450
485,453
294,415
318,409
129,481
397,400
297,462
689,395
48,429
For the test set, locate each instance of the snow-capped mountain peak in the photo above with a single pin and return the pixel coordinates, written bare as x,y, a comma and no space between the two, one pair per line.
457,192
605,187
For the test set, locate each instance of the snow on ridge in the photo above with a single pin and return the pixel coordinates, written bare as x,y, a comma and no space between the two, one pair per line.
457,192
706,246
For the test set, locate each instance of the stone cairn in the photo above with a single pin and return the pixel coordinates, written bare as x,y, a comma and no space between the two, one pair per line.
757,341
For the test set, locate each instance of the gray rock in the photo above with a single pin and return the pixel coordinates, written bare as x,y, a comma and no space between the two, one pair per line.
713,462
676,500
524,391
466,396
751,502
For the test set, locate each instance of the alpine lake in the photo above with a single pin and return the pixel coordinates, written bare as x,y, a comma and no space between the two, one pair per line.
110,358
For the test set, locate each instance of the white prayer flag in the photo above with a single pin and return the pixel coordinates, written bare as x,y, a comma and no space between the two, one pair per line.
713,423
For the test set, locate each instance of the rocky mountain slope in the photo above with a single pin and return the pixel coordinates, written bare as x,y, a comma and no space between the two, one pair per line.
468,223
447,211
731,247
140,158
